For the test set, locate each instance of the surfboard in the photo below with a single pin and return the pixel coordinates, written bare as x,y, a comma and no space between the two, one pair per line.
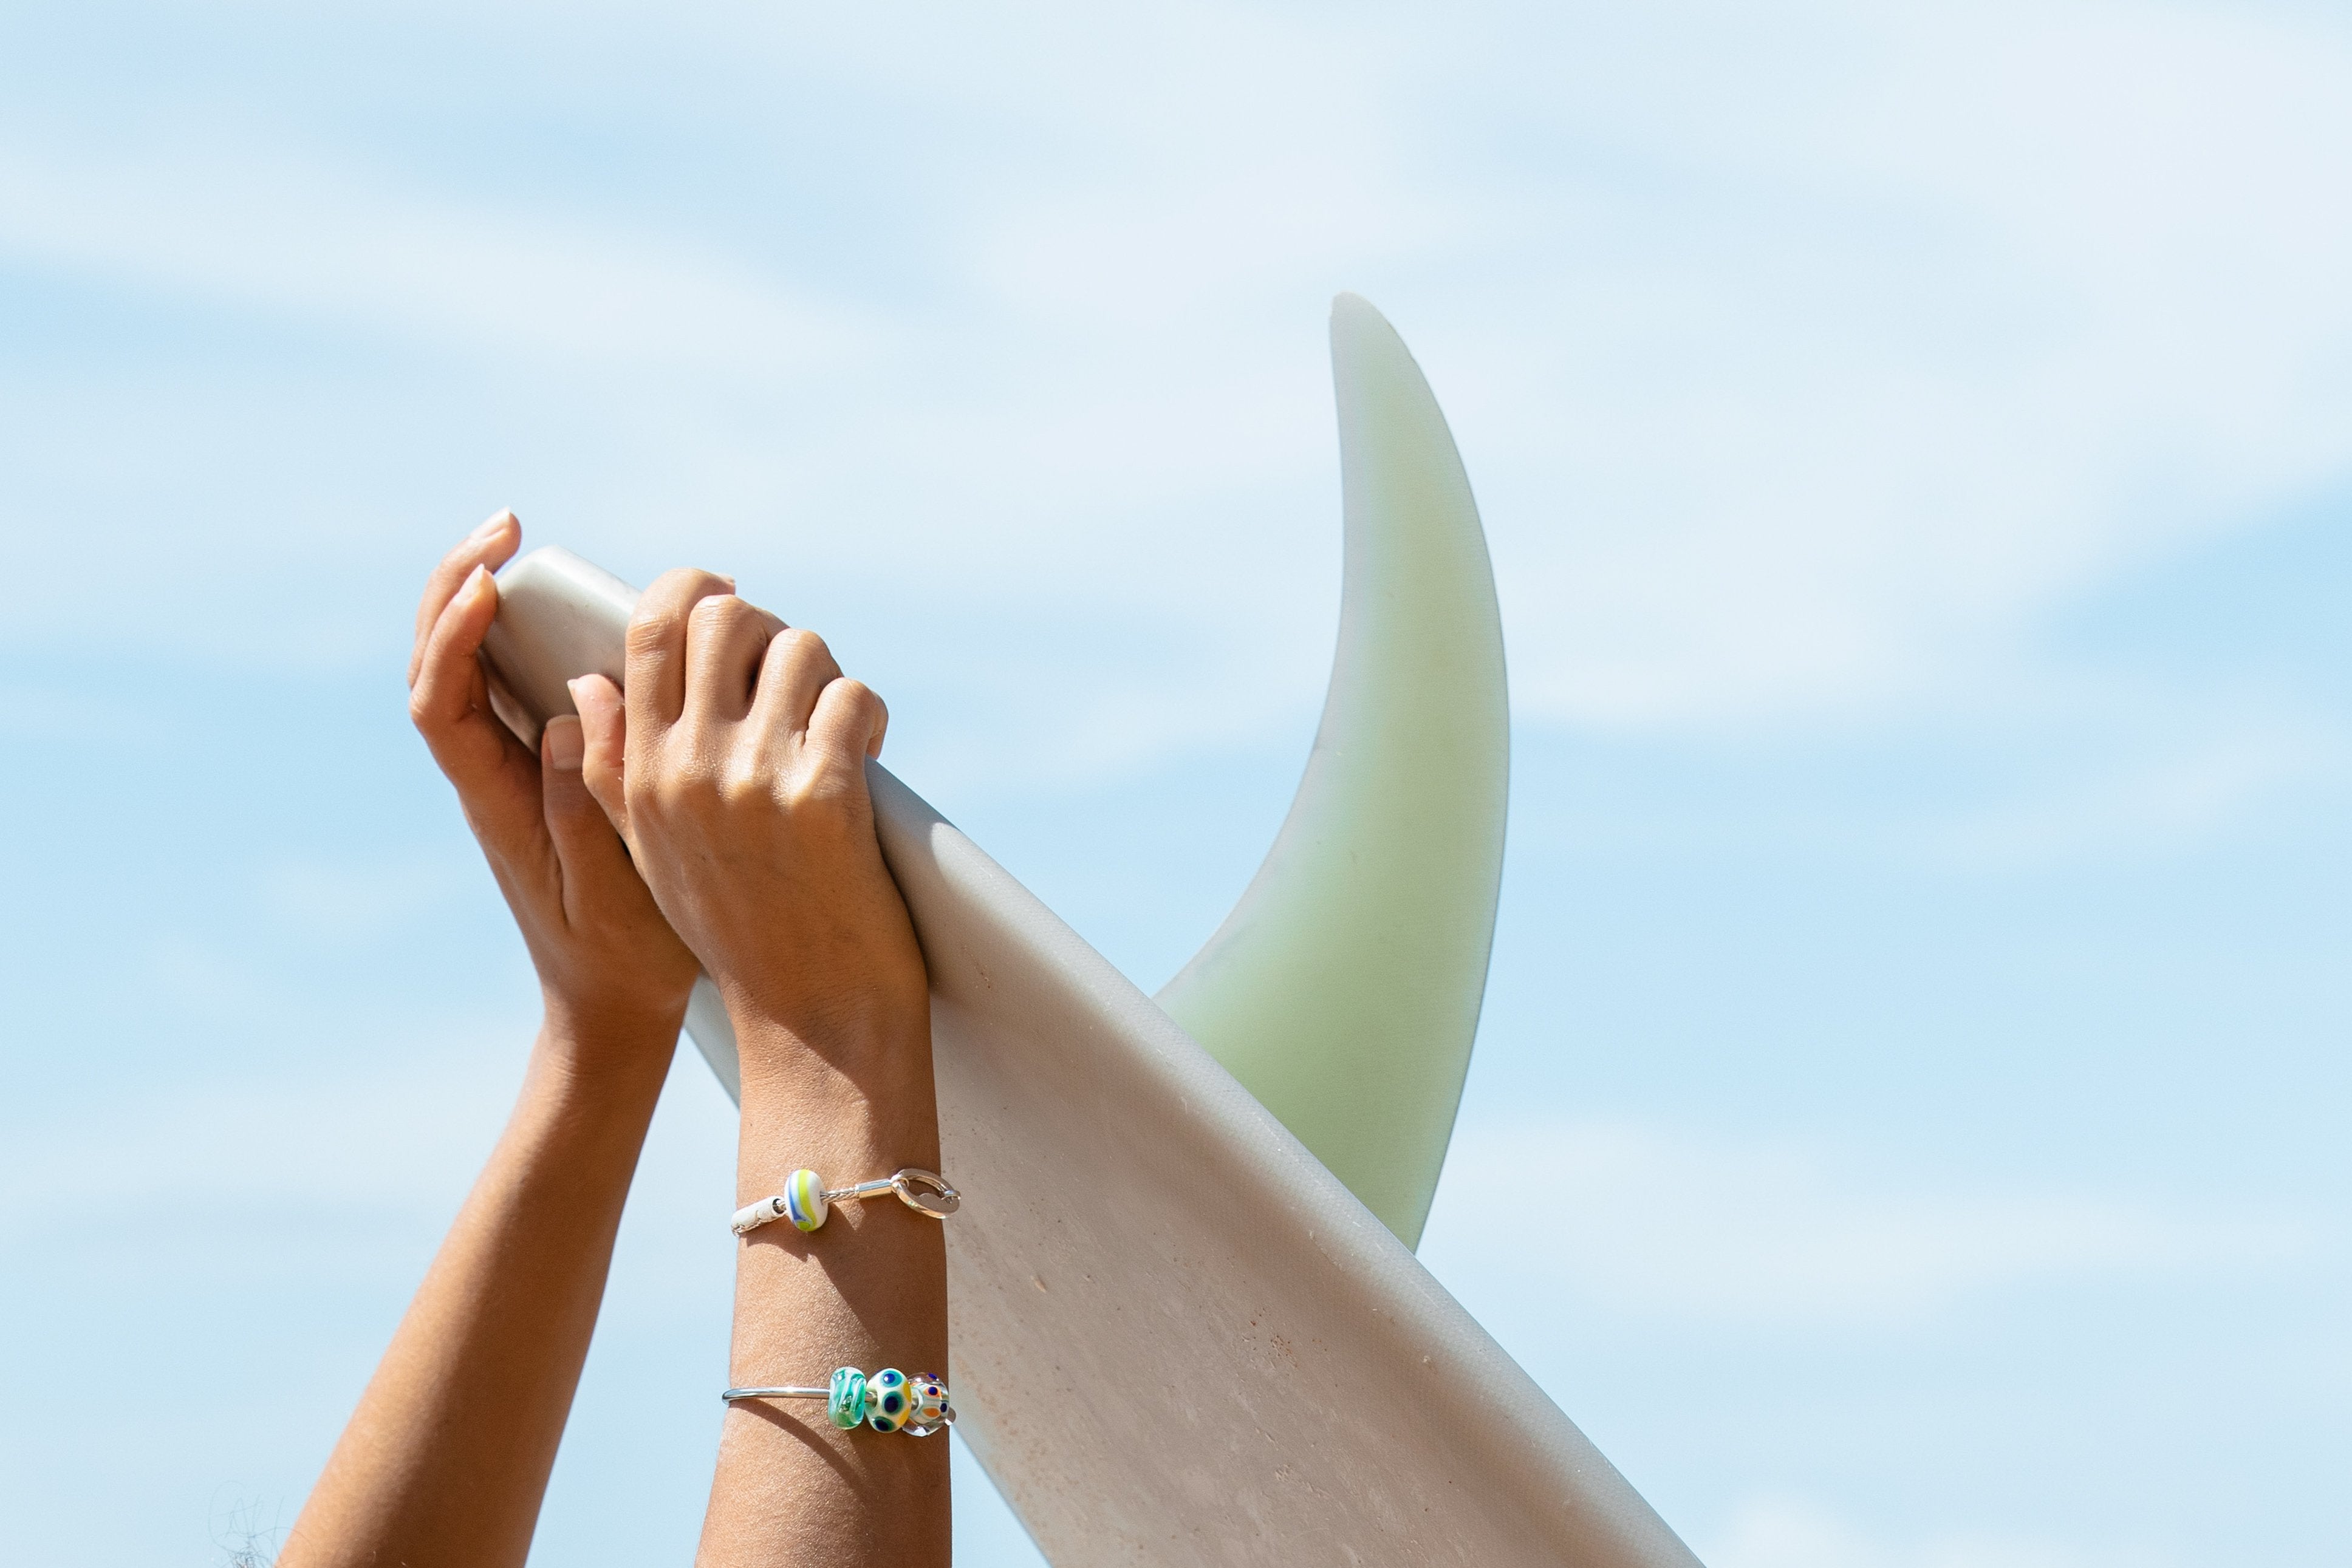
1186,1323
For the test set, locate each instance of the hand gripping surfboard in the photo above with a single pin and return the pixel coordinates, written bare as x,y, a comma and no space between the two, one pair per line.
1186,1324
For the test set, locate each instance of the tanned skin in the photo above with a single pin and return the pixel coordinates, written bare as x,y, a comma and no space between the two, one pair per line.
734,774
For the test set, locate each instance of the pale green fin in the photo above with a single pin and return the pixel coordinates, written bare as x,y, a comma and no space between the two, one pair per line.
1343,989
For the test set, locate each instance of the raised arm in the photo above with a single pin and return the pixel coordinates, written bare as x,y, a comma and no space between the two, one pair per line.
447,1455
736,770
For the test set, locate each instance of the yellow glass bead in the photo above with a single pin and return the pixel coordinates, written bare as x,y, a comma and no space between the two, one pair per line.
888,1403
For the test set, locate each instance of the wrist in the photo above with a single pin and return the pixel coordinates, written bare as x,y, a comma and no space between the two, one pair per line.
849,1110
873,1046
601,1051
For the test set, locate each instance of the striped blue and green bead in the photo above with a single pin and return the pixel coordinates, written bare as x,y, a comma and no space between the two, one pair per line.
804,1203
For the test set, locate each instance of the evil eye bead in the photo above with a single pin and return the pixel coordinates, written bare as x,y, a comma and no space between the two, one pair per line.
804,1204
846,1401
887,1400
928,1405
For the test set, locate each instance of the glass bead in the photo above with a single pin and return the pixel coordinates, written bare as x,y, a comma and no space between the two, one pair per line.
927,1399
846,1403
804,1201
887,1402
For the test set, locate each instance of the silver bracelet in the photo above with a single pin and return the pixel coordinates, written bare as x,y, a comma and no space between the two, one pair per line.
889,1401
807,1200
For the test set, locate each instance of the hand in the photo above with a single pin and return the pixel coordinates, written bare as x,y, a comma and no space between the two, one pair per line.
611,969
736,769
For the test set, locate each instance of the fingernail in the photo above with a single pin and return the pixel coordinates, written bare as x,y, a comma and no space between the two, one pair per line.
497,521
565,743
572,685
477,577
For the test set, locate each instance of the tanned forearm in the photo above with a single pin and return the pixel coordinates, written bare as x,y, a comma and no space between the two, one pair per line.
868,1290
734,765
445,1460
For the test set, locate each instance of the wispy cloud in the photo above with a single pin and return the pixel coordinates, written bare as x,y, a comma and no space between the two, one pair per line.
1781,1532
1947,316
1794,395
405,1128
1648,1219
2180,797
306,238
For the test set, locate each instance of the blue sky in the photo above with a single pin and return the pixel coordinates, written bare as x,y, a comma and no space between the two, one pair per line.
1915,444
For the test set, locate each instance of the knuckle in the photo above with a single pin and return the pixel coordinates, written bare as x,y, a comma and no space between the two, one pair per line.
813,792
648,632
805,646
834,796
675,584
716,613
741,784
695,781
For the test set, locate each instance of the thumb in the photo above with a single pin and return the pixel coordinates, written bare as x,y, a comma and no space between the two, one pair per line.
586,844
602,729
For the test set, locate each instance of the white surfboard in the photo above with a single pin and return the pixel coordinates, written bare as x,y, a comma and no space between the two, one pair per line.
1176,1335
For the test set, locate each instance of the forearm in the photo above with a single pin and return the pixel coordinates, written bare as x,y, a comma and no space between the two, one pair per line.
868,1290
447,1455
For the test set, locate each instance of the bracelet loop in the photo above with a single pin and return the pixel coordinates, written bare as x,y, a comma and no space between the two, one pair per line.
926,1192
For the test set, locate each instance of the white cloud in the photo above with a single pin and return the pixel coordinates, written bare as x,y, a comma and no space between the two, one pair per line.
317,239
2185,794
1803,358
1901,345
1647,1220
403,1127
1777,1532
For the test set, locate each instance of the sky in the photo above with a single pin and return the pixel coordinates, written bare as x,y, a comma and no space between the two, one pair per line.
1916,448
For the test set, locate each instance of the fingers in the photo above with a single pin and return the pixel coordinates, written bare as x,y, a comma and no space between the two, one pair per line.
848,724
726,640
657,645
444,686
878,722
603,733
586,847
798,667
491,545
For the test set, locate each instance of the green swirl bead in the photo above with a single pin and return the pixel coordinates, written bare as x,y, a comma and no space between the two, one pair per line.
846,1402
888,1402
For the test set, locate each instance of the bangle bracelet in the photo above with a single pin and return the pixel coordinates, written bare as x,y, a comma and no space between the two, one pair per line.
889,1401
805,1200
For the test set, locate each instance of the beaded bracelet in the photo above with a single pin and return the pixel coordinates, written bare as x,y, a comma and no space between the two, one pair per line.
889,1401
805,1200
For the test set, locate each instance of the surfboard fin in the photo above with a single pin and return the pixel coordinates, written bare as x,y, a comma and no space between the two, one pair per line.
1344,989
